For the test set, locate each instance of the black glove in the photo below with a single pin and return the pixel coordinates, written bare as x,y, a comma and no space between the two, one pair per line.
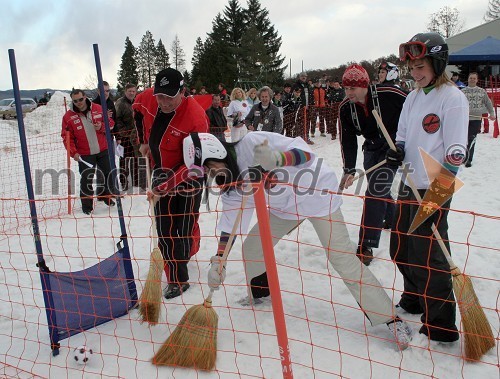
395,158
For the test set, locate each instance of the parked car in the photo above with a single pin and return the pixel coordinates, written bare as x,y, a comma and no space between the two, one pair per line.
8,107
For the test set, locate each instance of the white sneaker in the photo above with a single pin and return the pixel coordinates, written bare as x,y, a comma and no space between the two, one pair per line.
402,333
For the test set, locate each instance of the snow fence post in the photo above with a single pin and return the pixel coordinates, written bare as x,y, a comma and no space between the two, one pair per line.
272,271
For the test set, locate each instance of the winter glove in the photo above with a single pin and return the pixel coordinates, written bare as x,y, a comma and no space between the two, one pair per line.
265,157
395,158
215,275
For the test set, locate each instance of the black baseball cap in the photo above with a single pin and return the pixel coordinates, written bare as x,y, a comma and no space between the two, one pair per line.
168,82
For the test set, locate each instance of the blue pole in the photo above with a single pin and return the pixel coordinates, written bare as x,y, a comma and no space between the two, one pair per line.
111,153
42,268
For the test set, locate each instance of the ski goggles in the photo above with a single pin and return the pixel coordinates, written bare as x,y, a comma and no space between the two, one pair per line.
412,50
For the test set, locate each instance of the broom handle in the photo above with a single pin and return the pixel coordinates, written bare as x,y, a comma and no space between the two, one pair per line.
229,244
233,232
374,167
152,214
414,189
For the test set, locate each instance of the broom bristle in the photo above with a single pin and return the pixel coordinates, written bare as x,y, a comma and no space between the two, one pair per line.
478,337
150,300
193,343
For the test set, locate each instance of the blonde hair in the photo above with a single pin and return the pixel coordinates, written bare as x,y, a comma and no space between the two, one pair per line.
252,90
440,80
233,94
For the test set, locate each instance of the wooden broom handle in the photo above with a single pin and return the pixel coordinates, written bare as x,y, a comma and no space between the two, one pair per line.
229,244
236,225
453,266
374,167
152,213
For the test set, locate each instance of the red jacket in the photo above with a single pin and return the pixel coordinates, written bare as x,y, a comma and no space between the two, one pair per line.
189,117
73,123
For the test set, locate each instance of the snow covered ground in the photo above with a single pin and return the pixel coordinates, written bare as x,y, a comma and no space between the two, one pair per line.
329,336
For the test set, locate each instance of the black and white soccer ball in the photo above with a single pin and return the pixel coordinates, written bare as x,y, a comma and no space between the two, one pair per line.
82,354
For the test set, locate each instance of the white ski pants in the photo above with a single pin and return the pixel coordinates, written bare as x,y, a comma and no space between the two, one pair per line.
341,253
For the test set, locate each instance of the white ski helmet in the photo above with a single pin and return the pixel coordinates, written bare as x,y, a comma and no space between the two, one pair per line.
392,70
198,147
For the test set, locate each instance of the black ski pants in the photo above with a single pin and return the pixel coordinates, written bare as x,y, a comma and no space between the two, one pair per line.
176,215
378,204
428,287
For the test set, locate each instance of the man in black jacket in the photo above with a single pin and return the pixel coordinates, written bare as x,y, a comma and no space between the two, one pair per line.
126,136
218,122
335,94
302,128
356,119
109,100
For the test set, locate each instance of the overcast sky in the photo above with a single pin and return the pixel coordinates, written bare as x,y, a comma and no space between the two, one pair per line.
53,39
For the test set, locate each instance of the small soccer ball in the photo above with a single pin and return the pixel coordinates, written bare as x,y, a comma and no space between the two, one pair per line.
82,354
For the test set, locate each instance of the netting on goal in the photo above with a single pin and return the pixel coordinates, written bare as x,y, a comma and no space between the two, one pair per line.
328,334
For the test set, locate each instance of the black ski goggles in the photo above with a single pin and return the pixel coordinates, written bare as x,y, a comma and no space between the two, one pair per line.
412,50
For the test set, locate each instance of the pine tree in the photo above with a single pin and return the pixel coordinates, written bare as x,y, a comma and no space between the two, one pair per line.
146,54
257,18
254,58
195,62
178,55
212,63
128,68
242,46
187,78
493,11
219,64
161,58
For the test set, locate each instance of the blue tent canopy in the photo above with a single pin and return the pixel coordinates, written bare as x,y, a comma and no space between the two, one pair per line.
486,50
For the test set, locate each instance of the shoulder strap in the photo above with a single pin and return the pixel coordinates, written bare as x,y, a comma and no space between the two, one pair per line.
354,116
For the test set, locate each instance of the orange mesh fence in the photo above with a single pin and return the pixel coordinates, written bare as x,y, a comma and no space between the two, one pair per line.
328,334
47,158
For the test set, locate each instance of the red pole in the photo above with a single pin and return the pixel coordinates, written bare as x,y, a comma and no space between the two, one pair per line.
496,130
272,276
68,165
68,161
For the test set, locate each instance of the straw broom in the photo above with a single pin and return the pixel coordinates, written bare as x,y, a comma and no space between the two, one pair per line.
193,343
150,300
478,337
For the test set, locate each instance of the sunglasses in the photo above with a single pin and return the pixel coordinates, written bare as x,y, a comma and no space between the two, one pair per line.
76,101
412,50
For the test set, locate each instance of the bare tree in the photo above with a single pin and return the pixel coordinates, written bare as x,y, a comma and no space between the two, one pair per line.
89,85
493,11
178,55
446,21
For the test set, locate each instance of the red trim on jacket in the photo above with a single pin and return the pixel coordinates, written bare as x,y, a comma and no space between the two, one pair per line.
189,117
145,104
72,123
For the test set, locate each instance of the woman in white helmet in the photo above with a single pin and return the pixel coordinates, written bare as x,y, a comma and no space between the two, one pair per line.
388,73
302,191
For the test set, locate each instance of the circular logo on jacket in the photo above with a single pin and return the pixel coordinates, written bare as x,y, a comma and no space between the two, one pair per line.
431,123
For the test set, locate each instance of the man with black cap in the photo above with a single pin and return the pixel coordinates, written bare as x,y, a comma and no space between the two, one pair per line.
356,119
164,117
